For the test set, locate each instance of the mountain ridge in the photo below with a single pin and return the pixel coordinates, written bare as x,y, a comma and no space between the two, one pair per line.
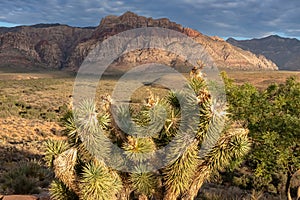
285,52
63,47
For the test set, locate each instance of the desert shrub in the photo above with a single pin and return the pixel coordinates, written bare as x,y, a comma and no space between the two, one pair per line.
8,106
273,119
26,178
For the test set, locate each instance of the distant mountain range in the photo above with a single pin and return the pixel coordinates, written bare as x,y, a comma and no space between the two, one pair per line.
285,52
56,46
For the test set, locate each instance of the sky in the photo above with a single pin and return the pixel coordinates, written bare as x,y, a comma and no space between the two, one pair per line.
241,19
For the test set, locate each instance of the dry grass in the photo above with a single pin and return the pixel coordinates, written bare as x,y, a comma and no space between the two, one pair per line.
30,108
211,191
261,79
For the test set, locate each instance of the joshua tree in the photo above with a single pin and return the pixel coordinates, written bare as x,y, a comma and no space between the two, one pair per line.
88,165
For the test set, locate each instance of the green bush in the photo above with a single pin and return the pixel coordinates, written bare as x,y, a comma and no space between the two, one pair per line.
273,119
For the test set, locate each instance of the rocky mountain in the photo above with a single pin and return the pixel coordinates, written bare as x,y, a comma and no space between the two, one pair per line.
56,46
285,52
42,45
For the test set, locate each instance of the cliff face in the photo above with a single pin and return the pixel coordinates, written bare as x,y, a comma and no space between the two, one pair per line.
228,56
47,46
285,52
64,47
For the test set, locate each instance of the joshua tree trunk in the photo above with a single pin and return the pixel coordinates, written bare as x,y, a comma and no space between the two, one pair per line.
196,184
125,193
288,186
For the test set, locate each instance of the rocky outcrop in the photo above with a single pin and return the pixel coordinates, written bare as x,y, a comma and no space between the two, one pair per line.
19,197
285,52
63,47
227,56
224,55
47,46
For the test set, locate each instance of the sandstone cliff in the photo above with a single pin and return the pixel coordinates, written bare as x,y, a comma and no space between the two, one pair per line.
47,46
224,54
63,47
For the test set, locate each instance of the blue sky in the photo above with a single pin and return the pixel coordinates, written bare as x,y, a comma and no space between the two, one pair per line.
224,18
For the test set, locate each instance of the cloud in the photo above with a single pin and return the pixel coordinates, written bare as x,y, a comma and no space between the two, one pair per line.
72,12
225,18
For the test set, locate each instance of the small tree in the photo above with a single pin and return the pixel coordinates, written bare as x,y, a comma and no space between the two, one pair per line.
81,173
273,119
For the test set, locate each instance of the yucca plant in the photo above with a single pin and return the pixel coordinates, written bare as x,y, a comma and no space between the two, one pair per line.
109,157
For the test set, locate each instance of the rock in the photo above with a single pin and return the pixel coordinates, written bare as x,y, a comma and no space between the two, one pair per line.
36,46
19,197
224,55
53,131
190,32
56,46
56,132
217,38
43,196
285,52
